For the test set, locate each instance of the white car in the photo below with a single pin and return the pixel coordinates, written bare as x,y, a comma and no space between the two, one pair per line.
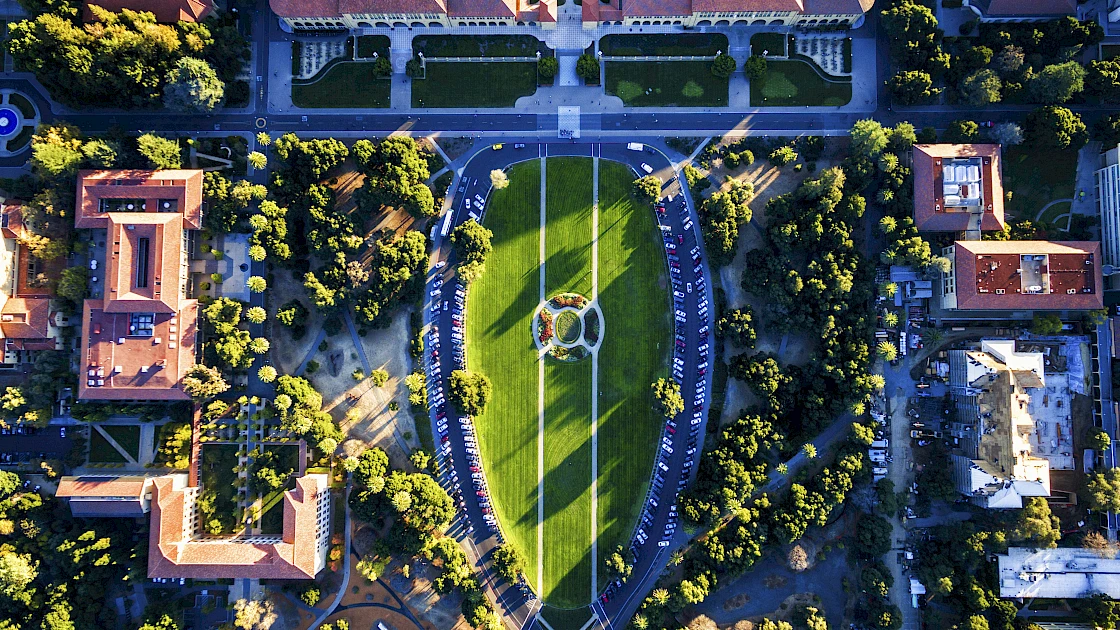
688,286
663,543
647,168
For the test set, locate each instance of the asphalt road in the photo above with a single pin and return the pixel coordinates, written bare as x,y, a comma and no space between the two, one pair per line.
651,558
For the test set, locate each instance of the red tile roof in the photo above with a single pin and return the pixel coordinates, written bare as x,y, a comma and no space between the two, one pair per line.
166,11
391,6
174,553
656,8
482,8
930,211
12,219
837,7
26,318
101,486
741,5
1036,275
149,192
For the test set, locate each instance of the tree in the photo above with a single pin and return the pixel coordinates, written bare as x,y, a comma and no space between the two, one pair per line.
73,284
755,67
509,562
619,563
469,391
259,345
263,138
1057,83
257,160
720,218
872,536
648,188
737,326
782,156
723,66
962,132
869,139
1046,324
1107,130
809,450
667,397
498,179
1008,134
267,374
256,314
56,150
396,175
911,87
547,67
378,378
797,559
1055,128
587,68
1102,489
17,572
1009,60
1094,542
160,152
202,382
1103,80
253,614
193,86
256,284
165,622
1036,526
471,242
887,351
981,88
1101,611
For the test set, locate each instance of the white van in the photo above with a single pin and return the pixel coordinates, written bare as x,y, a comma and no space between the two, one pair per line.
647,168
880,444
635,146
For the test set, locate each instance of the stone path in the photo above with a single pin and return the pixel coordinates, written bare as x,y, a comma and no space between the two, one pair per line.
314,348
595,379
540,396
357,343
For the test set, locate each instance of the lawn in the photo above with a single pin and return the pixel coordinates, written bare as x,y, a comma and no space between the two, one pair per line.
567,483
1036,177
567,326
1050,216
216,474
345,84
666,45
369,44
474,84
773,43
636,342
796,83
101,452
665,84
500,344
560,618
478,45
127,435
568,232
272,503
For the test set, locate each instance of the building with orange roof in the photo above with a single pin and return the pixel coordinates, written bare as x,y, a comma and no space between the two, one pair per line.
1021,10
140,328
166,11
1023,276
107,496
29,319
315,15
958,188
177,548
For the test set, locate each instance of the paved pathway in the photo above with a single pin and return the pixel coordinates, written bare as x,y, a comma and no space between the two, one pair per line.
595,383
540,400
345,568
311,352
1052,203
357,343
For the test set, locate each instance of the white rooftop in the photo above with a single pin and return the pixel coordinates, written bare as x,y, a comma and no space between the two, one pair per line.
1057,573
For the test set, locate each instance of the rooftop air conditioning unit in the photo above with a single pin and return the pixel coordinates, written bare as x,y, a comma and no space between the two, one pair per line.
1000,291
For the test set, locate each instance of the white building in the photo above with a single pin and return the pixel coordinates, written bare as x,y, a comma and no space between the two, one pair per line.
1064,573
1108,199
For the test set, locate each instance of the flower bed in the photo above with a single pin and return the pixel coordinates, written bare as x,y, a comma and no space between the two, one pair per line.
591,321
544,326
568,299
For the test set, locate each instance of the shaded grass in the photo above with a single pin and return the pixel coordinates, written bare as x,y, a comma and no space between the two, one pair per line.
566,618
567,483
369,44
101,452
568,326
216,474
796,83
1050,216
478,45
1036,177
670,44
128,436
772,43
499,335
664,84
636,342
474,84
346,84
568,228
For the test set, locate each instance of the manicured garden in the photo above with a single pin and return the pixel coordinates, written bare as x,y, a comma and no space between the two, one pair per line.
501,306
798,83
474,84
218,478
664,45
478,45
370,44
344,84
773,44
568,228
272,502
666,84
101,451
568,327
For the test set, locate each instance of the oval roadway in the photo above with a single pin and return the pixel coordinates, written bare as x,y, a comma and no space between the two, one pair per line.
475,179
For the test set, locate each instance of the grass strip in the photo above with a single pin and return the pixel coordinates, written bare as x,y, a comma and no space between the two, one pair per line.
568,227
474,84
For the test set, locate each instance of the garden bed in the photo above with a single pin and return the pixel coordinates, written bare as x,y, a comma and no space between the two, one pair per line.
370,44
101,451
773,43
127,436
217,476
796,82
344,84
665,45
666,84
470,84
1036,177
479,46
568,327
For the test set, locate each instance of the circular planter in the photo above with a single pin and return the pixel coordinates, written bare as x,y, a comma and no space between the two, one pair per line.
567,327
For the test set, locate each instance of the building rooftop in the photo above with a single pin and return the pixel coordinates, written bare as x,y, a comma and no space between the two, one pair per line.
140,329
1038,275
166,11
174,552
1025,8
1062,573
614,10
95,496
958,187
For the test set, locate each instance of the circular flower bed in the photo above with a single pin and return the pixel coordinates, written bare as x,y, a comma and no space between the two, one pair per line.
568,327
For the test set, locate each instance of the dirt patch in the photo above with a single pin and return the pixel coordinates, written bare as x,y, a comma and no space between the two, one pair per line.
776,581
454,146
287,353
346,185
736,602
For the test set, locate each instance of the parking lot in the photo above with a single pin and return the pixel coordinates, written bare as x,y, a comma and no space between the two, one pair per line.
21,444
